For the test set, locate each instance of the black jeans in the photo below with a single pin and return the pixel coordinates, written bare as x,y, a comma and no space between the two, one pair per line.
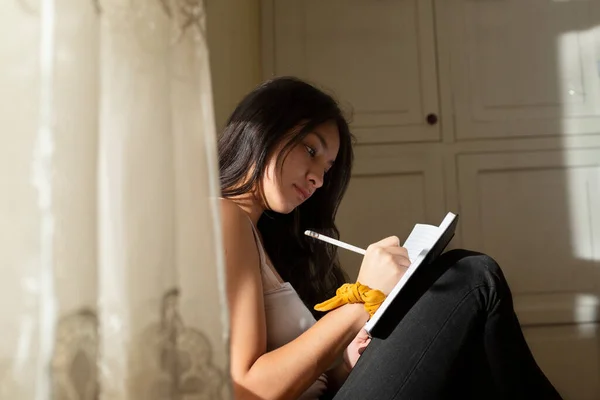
457,339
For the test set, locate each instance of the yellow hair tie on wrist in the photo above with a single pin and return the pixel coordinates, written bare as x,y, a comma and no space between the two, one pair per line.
354,293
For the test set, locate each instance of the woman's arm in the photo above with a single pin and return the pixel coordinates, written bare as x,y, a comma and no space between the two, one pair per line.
289,370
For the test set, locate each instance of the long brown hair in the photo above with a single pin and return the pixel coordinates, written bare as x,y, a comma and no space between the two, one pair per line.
261,121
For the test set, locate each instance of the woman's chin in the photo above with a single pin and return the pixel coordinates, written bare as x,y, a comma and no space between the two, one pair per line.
286,210
284,207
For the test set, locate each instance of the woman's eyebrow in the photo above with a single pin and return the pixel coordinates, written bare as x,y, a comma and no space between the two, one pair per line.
324,144
321,139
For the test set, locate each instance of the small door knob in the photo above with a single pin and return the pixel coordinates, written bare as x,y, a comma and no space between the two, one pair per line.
432,119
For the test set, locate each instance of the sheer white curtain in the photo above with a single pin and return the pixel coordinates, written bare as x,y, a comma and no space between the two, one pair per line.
111,281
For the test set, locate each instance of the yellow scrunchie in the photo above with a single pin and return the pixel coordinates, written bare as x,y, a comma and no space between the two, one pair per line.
354,293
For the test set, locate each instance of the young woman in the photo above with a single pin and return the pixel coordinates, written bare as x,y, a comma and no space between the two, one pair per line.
285,158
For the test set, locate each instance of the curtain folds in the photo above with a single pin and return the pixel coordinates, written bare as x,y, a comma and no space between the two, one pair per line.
112,273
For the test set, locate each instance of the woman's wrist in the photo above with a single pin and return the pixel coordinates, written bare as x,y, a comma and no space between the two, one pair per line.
360,314
354,293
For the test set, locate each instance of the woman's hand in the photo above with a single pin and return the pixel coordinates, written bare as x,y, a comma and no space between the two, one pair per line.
355,349
383,264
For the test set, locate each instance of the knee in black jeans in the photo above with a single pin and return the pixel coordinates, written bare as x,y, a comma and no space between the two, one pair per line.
457,270
475,262
476,270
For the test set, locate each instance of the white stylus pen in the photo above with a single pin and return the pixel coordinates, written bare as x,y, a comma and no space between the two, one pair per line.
335,242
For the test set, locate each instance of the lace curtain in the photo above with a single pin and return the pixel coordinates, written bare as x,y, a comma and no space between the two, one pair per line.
110,257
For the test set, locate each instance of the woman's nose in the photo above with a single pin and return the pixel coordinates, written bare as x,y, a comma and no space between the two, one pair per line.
315,179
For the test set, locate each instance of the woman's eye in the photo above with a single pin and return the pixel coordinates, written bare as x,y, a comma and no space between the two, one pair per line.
310,151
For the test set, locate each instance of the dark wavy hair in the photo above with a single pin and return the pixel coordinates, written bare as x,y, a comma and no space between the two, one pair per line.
261,121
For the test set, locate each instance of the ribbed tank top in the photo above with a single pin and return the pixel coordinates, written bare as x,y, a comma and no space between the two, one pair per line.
286,315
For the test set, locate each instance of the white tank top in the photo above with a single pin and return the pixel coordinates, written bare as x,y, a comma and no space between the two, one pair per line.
286,315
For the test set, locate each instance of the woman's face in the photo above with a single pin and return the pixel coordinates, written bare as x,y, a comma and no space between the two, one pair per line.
303,170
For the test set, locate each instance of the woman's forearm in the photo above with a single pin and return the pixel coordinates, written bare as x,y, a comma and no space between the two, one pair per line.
289,370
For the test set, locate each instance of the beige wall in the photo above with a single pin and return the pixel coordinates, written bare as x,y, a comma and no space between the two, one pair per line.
235,56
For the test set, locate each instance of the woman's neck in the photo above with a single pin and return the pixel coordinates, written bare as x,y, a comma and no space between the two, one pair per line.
251,205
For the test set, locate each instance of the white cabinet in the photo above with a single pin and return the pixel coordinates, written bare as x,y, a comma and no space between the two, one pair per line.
523,68
378,58
391,190
538,214
516,151
569,357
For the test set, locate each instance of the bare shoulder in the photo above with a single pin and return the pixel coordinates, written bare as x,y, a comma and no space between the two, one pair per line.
248,340
238,238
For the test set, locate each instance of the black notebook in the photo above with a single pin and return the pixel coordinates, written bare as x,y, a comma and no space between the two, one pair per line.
424,244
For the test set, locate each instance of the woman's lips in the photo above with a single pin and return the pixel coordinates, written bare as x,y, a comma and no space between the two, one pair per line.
303,193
